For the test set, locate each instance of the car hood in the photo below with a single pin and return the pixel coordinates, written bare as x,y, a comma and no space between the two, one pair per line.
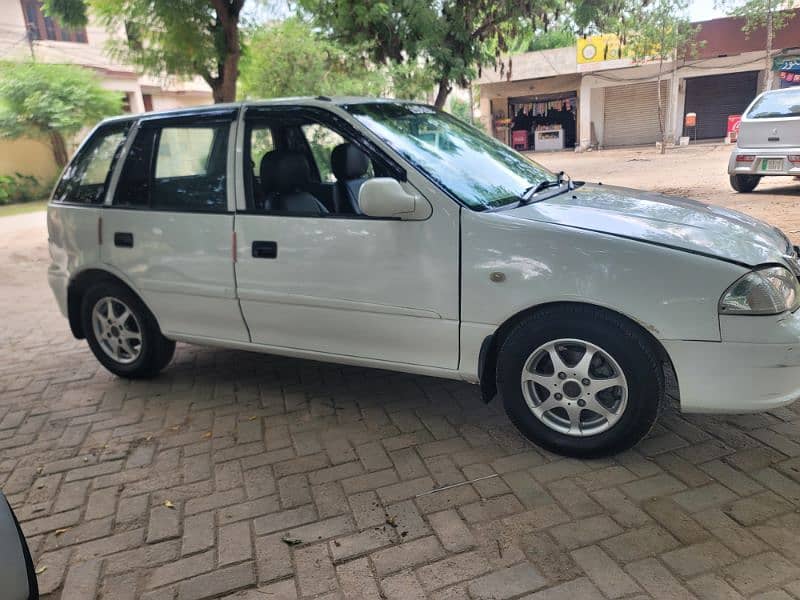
670,221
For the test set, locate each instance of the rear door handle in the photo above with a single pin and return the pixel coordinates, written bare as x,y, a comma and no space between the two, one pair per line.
265,250
123,239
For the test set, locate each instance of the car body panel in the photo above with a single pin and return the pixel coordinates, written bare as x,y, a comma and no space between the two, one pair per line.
670,221
544,263
181,264
73,241
354,286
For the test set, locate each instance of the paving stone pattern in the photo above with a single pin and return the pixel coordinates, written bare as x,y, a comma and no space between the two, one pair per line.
247,476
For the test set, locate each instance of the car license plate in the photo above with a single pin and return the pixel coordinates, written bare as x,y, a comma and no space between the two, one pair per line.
771,164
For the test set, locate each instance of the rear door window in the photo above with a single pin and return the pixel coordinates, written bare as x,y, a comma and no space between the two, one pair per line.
177,168
86,178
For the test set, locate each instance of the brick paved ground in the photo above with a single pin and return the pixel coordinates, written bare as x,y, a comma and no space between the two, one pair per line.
266,478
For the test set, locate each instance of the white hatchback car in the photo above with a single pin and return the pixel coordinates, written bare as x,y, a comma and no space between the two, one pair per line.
387,234
768,143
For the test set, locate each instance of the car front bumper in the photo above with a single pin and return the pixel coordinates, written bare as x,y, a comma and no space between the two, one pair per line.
755,368
757,166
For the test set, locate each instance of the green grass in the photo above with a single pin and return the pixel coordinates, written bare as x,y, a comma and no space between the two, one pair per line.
8,210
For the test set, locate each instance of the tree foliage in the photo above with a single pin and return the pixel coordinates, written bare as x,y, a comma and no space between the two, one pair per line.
532,41
288,58
291,58
179,37
454,38
51,101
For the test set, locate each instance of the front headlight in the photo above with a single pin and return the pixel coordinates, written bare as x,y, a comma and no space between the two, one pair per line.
765,291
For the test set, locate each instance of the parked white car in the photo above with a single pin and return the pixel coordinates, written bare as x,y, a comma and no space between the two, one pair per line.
387,234
768,143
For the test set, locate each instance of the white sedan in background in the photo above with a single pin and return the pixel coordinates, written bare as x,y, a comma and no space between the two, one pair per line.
768,143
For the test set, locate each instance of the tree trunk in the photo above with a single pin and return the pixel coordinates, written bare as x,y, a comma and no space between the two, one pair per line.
223,87
670,134
770,33
660,108
442,93
59,147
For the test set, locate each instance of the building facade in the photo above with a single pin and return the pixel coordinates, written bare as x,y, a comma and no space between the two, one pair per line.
26,33
550,100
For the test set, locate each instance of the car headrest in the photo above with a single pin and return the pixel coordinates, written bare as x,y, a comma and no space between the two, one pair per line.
267,170
283,172
348,162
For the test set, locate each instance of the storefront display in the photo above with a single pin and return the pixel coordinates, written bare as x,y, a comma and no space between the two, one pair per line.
549,137
543,123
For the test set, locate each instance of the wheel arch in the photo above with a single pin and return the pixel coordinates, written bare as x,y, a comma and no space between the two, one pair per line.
81,282
487,358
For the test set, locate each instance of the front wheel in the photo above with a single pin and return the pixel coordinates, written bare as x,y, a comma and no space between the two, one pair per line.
580,381
744,183
122,333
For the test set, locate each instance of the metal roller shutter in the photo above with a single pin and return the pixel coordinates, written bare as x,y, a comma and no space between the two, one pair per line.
714,97
631,114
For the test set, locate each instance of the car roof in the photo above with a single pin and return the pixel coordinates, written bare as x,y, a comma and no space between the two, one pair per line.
318,101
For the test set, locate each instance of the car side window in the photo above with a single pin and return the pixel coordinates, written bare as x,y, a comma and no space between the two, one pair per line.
302,167
176,168
322,140
86,178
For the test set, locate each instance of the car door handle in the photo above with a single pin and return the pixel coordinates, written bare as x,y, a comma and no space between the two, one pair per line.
123,239
265,250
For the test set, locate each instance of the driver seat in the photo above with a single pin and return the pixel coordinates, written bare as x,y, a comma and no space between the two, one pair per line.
284,180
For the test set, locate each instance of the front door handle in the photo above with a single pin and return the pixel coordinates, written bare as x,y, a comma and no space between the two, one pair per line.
123,239
265,249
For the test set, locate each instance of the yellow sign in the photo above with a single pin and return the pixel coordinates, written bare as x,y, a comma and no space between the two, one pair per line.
599,48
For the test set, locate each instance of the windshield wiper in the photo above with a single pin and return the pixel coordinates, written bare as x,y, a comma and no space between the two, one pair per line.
530,192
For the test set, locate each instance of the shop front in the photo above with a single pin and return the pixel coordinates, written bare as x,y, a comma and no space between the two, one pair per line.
788,69
714,98
543,123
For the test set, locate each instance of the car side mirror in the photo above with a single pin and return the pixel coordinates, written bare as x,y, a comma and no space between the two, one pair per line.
16,566
385,197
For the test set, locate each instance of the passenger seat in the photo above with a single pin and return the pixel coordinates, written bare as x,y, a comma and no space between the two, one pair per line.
350,166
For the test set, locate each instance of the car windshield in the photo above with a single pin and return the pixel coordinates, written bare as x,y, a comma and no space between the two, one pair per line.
777,104
478,170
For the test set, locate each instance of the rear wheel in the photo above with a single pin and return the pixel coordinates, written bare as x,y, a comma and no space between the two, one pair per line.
122,333
580,381
744,183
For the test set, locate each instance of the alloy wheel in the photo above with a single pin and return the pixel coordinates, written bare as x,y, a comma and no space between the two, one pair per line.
117,330
574,387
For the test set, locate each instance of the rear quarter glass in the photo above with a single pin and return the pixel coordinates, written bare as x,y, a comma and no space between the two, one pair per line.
85,179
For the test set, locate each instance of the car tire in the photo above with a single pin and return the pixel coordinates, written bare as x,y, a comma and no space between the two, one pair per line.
625,412
744,183
122,333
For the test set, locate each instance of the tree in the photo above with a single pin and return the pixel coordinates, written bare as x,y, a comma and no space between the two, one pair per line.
454,38
290,59
178,37
51,101
772,15
663,33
